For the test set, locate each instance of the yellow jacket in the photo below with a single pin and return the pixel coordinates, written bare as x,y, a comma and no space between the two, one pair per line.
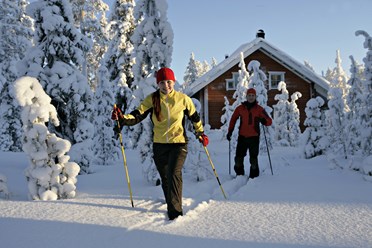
171,128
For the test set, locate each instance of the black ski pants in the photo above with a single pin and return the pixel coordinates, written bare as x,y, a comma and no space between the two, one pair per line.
169,160
252,144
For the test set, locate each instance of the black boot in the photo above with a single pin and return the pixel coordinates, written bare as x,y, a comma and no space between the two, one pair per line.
239,166
174,214
254,172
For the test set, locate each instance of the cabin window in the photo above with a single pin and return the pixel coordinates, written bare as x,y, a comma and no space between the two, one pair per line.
275,77
231,83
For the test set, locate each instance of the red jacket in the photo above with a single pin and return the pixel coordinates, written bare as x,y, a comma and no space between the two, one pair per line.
250,114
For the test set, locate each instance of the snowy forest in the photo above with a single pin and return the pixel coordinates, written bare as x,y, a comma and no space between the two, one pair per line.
64,64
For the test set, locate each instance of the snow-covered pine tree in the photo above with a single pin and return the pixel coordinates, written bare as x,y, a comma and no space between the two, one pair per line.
50,175
240,96
55,60
196,165
90,17
16,35
329,75
4,186
118,59
309,66
106,147
153,47
228,110
257,81
294,119
205,67
355,103
214,62
191,74
365,113
281,115
336,121
314,139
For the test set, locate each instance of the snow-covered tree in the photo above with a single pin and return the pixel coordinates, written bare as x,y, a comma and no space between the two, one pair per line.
118,59
90,17
281,115
50,175
197,164
294,119
355,103
4,186
106,147
257,81
205,67
191,73
338,108
214,62
55,60
16,34
240,96
309,66
228,110
329,75
365,113
286,117
153,47
314,139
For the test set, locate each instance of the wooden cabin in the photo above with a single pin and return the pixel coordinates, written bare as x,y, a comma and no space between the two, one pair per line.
221,80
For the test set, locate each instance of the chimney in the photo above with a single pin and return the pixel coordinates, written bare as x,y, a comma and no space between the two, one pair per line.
260,34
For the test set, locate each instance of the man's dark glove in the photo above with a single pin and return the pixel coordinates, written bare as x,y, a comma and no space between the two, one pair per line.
228,136
263,121
203,139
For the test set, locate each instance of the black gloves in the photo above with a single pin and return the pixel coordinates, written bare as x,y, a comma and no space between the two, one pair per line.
228,136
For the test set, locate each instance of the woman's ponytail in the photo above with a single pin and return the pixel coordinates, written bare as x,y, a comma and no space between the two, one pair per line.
156,104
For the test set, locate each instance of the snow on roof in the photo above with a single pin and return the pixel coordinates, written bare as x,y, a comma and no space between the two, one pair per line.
271,51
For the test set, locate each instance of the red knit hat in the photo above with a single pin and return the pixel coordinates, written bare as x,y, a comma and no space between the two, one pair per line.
251,91
165,74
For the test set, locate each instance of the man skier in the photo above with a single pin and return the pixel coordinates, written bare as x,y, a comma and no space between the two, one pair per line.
251,115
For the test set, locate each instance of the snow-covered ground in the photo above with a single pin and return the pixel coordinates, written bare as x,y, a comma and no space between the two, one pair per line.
304,204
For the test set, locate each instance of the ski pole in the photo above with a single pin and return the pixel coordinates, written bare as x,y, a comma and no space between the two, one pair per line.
229,158
125,161
268,153
214,170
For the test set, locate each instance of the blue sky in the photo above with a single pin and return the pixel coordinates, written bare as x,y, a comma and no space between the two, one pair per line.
309,30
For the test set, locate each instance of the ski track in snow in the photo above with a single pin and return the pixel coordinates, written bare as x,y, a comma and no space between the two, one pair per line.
269,211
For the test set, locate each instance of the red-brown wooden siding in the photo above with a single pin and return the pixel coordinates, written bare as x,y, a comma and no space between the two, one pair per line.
217,88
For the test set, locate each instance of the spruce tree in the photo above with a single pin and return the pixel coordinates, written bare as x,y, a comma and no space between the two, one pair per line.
355,103
336,121
257,81
191,74
240,96
106,144
16,34
118,59
153,41
314,139
56,60
281,115
50,175
365,113
294,120
90,17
